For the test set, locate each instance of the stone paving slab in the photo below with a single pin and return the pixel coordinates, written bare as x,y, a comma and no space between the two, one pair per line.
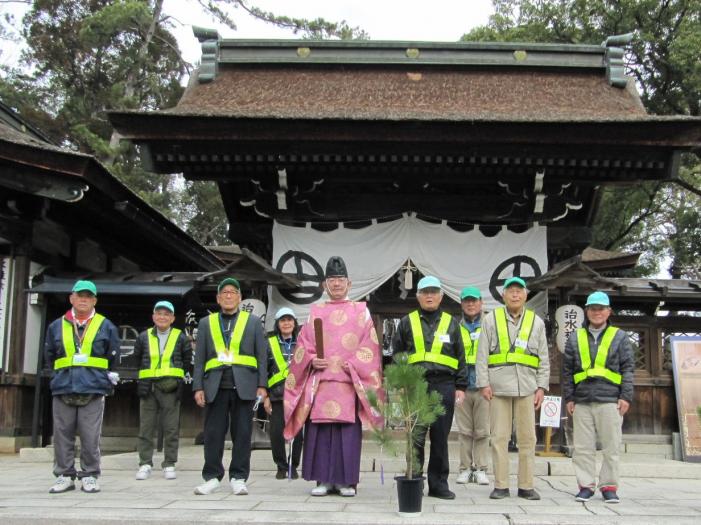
24,499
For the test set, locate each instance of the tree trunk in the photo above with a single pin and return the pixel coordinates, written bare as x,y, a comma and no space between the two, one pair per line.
132,77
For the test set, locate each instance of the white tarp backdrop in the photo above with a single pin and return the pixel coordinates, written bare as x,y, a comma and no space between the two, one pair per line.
375,254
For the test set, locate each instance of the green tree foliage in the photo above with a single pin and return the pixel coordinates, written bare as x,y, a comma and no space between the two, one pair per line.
84,58
319,28
408,406
654,218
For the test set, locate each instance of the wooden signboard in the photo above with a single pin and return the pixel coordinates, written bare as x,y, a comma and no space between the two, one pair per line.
686,362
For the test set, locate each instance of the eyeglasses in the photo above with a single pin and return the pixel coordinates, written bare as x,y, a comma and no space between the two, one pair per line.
230,292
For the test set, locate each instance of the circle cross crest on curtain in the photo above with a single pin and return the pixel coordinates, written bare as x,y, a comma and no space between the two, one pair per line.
518,266
311,289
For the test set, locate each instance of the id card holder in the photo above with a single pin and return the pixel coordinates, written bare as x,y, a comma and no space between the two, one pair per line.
444,338
80,359
474,336
520,343
225,358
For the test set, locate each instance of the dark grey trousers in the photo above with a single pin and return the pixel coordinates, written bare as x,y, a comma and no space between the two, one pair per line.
169,404
86,422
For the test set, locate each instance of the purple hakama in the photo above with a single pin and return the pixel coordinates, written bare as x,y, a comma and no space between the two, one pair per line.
332,452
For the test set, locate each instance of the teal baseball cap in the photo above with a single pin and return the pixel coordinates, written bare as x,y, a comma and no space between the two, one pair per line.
429,282
514,280
470,292
229,280
84,286
598,299
166,305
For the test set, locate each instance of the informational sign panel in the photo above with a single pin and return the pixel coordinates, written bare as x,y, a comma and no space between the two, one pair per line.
568,318
686,363
550,411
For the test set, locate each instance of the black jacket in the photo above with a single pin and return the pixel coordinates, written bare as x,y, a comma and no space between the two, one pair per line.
403,341
594,389
182,358
277,391
79,379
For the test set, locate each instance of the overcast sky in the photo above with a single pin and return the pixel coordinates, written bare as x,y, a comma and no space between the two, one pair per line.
418,20
436,20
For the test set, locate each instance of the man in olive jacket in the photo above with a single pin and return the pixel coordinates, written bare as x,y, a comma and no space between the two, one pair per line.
231,371
163,354
597,386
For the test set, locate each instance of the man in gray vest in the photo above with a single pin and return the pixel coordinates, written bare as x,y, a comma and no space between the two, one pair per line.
231,372
162,353
597,371
81,348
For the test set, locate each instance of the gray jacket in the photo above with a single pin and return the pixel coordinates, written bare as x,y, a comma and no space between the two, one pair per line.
512,380
246,379
594,389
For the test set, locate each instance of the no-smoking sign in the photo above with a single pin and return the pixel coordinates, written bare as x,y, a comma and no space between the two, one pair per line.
550,411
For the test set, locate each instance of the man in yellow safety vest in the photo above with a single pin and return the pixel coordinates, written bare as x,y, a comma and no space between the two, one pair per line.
163,352
431,338
597,387
231,372
472,416
513,373
81,348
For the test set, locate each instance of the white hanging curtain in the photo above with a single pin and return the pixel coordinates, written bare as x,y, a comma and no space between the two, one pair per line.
375,253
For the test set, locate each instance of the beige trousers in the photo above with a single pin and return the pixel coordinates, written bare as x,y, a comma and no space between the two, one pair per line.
502,410
472,418
592,421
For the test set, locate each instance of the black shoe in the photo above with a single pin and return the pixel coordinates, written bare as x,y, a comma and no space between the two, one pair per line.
610,496
294,474
442,494
499,494
281,474
584,494
528,494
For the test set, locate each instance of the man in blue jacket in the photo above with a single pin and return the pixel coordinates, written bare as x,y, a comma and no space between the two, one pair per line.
81,348
598,389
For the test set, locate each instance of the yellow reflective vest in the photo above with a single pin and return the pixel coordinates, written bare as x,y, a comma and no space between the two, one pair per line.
280,362
434,355
470,341
160,364
516,353
599,369
231,355
84,357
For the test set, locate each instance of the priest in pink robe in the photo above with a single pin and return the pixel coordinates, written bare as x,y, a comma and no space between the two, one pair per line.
327,394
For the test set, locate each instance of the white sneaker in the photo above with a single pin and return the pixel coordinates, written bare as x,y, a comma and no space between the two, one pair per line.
480,477
322,489
207,487
346,491
169,473
89,484
239,487
464,477
144,472
62,484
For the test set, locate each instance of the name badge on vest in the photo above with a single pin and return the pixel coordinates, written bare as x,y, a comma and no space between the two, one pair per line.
444,338
474,336
225,357
520,343
80,359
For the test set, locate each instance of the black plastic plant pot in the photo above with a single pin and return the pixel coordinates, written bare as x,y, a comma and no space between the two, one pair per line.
409,495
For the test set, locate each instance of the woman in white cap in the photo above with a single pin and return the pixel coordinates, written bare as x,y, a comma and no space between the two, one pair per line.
282,345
